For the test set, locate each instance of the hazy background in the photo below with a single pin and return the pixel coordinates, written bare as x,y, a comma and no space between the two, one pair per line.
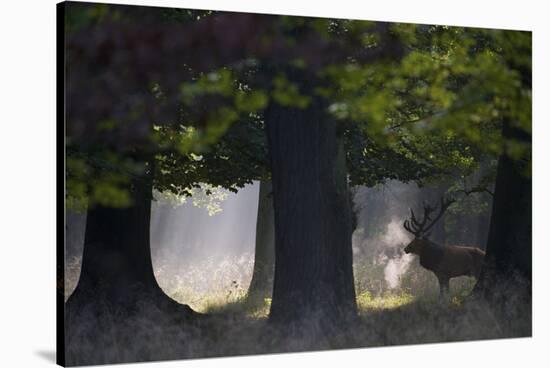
200,254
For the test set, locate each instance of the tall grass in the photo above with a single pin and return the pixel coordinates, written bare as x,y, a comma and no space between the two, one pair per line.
215,285
412,313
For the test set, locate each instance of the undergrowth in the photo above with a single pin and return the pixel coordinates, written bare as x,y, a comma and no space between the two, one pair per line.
412,313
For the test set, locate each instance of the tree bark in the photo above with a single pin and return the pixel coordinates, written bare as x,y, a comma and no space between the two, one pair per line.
261,286
482,230
117,270
507,264
313,253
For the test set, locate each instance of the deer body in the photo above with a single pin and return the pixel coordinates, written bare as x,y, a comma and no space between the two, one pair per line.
445,261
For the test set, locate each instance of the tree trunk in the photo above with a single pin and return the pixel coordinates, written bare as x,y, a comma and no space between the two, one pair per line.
261,286
507,265
313,254
482,230
116,263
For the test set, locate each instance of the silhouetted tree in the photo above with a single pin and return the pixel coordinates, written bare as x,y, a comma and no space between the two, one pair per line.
261,285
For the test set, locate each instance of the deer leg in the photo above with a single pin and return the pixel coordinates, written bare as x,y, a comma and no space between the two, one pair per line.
443,285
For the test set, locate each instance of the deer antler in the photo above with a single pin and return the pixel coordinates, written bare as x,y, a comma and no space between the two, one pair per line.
445,203
418,228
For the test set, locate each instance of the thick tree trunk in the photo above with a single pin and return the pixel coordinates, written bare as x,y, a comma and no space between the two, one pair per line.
261,286
507,265
117,296
354,211
313,254
482,230
116,264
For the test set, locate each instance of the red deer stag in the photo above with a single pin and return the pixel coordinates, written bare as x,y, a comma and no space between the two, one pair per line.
445,261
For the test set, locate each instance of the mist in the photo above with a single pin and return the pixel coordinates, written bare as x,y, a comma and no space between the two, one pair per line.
202,247
380,237
398,265
199,255
205,259
196,252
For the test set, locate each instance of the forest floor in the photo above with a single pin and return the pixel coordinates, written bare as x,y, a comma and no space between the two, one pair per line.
237,328
398,317
410,314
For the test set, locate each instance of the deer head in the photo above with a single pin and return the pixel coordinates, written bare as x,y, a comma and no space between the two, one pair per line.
421,229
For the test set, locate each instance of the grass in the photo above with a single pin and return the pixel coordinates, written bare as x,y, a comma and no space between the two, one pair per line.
412,313
220,286
240,306
367,303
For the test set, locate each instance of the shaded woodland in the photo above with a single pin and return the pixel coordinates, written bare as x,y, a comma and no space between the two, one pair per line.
354,168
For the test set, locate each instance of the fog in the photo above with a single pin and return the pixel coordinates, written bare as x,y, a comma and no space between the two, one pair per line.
380,237
205,260
202,257
186,233
203,247
398,265
195,252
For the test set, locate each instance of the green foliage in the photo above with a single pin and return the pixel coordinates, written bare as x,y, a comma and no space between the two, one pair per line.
444,101
88,16
286,93
203,196
236,159
212,103
250,102
101,178
216,82
415,102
